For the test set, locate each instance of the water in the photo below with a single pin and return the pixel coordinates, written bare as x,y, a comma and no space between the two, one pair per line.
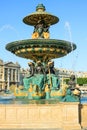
67,26
30,101
74,56
83,100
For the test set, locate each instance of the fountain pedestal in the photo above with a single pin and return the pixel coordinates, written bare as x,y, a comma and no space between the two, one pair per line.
61,116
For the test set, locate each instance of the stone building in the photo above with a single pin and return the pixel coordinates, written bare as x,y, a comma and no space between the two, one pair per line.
9,74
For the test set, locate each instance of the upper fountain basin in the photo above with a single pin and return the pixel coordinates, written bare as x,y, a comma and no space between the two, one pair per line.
35,49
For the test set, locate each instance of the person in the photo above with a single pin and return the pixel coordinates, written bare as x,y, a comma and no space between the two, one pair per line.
39,69
39,27
46,28
52,79
39,77
47,91
50,68
71,96
28,80
32,69
72,82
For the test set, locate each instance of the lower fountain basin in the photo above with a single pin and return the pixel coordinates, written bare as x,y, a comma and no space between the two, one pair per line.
31,101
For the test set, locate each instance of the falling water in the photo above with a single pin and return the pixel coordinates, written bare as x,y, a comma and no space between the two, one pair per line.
68,29
74,58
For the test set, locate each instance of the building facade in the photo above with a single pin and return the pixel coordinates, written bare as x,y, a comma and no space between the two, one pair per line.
9,74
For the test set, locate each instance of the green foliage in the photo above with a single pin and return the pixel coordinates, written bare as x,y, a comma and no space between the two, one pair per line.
81,81
66,81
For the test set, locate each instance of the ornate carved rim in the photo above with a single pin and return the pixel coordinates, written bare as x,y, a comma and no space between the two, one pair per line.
43,49
33,18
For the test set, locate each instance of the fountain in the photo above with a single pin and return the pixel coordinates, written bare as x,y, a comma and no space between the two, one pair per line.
61,101
42,83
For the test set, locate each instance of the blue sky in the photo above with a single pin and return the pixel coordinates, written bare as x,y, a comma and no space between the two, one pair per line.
72,27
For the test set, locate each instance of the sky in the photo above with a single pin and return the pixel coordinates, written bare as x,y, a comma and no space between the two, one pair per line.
72,26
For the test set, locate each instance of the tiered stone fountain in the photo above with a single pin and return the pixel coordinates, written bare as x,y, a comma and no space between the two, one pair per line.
43,83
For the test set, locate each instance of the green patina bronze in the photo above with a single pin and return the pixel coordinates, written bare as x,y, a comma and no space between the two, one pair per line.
40,49
42,82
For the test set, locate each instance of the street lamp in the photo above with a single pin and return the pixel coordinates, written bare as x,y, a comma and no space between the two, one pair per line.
8,80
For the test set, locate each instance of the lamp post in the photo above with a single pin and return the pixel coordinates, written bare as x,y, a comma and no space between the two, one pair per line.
8,80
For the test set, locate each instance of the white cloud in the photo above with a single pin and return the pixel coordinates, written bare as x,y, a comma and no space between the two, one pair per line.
8,26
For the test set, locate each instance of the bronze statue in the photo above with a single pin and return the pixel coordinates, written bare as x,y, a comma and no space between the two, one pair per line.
41,29
39,69
72,82
32,69
50,68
